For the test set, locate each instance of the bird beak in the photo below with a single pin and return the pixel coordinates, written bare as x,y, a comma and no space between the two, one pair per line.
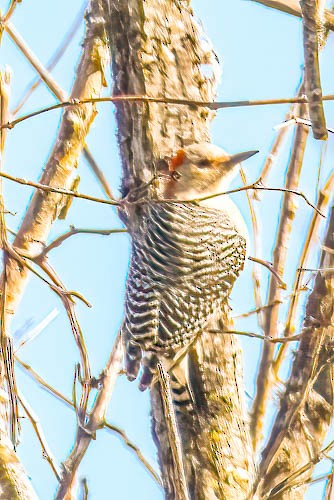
240,157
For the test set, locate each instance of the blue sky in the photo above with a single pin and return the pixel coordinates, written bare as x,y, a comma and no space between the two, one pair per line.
261,55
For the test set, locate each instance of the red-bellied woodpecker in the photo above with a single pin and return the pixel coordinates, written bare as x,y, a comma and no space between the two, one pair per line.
185,258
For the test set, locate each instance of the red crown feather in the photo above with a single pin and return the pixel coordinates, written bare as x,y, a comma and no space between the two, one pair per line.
177,160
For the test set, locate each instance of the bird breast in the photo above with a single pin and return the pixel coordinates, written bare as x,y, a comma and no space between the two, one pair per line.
225,204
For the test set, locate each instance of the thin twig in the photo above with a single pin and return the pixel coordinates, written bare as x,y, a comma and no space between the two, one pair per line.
255,185
47,454
34,61
98,172
330,486
173,433
6,343
52,189
113,429
84,489
303,121
273,340
10,11
257,310
57,91
270,267
73,230
213,105
77,333
269,305
96,420
256,271
55,58
60,290
316,270
67,300
312,358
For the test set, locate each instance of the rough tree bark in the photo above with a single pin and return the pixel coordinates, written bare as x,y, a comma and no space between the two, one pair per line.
158,51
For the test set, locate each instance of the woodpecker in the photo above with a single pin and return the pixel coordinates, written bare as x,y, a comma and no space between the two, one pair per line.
186,255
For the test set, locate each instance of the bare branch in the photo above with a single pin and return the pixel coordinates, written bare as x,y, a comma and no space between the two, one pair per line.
108,426
10,11
256,271
14,479
146,99
50,82
54,189
264,377
270,267
273,340
256,186
7,362
98,173
312,23
293,7
96,421
73,231
34,61
47,454
60,169
32,86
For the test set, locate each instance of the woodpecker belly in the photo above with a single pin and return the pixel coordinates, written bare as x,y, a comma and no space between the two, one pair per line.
185,259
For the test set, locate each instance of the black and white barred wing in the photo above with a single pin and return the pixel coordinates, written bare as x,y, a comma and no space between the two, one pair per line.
185,259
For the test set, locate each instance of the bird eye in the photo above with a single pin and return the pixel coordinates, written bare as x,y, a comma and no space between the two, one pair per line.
176,175
204,163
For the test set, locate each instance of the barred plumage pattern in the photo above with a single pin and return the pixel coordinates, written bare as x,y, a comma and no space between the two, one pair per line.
185,259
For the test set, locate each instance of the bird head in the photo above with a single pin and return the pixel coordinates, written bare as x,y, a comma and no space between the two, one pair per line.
201,169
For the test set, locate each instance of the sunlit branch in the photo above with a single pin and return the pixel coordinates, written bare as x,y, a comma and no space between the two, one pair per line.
73,231
270,267
293,7
108,426
288,482
182,102
57,91
52,189
7,355
256,271
273,340
96,420
264,379
312,28
322,203
47,454
256,186
54,59
10,11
